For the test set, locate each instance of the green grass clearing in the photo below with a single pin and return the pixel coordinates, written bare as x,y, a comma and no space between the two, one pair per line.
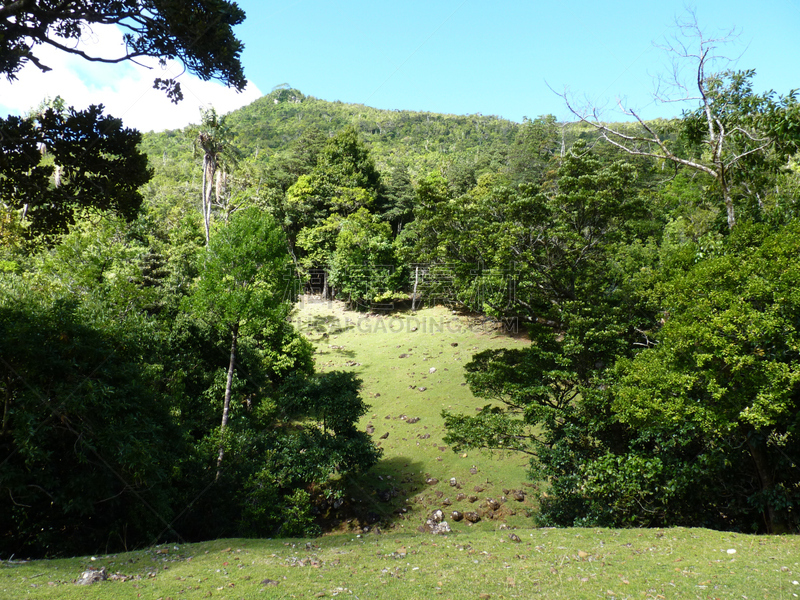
394,353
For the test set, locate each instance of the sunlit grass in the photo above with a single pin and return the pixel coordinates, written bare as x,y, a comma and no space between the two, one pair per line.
546,563
412,367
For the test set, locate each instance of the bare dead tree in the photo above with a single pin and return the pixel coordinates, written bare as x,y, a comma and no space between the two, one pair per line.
723,138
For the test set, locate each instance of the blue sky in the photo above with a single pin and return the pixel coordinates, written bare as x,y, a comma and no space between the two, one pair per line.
451,56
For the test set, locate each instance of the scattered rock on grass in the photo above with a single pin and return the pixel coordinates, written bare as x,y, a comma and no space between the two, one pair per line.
90,576
472,517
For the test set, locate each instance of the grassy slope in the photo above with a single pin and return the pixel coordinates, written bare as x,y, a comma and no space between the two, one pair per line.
393,560
372,346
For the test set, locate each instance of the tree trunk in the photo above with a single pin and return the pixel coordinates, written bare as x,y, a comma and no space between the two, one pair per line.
774,524
728,206
209,170
414,293
6,403
205,196
227,404
325,284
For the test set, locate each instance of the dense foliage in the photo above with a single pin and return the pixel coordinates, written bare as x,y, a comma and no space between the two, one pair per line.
199,34
154,389
92,160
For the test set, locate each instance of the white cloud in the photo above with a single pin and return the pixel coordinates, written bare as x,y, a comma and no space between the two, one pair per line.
125,89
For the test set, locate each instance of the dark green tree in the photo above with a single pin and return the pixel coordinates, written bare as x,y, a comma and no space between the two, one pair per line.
199,34
58,162
87,441
363,266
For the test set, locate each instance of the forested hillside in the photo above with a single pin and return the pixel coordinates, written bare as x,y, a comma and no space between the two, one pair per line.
154,385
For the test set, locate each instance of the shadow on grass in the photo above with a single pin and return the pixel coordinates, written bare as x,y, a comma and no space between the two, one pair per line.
327,325
380,498
337,351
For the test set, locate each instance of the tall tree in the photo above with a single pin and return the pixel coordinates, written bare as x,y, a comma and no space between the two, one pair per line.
343,181
241,285
215,141
199,34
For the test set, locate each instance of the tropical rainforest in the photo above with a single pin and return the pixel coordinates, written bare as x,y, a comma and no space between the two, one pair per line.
152,380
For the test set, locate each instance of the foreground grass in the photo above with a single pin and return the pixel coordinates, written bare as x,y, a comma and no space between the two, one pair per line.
546,563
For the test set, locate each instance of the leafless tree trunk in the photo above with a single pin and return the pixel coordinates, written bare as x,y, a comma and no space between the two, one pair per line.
209,169
227,404
414,293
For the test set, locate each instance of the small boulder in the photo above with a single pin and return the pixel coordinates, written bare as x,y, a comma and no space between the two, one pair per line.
90,576
453,482
519,496
472,517
457,515
440,528
514,537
